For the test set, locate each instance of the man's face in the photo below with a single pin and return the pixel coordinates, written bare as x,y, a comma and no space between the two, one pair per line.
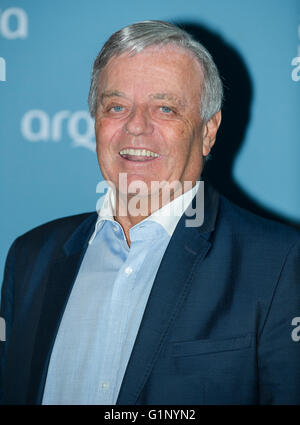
149,104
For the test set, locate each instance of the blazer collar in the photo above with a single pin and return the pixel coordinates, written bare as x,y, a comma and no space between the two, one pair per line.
206,203
80,237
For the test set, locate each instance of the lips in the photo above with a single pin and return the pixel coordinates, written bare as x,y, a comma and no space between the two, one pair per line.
138,154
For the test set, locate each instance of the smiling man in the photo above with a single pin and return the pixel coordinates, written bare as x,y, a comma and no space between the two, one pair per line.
148,123
132,305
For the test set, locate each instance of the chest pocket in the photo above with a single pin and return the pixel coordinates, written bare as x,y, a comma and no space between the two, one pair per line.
206,346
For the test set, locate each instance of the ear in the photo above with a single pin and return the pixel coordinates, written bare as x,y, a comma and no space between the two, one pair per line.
210,133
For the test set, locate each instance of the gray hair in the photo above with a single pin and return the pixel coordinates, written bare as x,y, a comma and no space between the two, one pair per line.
136,37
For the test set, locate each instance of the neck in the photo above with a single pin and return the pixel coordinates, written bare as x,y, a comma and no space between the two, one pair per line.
132,209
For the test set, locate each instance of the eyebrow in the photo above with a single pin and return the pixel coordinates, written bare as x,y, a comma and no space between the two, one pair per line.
169,96
112,93
157,96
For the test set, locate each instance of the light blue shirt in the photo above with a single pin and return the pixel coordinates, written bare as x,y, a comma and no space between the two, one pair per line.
106,305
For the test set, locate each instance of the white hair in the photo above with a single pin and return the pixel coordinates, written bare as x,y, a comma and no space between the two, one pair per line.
136,37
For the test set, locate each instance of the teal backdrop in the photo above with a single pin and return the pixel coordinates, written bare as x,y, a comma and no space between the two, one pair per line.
48,164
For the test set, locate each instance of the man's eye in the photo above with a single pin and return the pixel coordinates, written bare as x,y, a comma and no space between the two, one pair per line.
117,108
166,109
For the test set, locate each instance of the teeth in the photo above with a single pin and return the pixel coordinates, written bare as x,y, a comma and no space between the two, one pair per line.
138,152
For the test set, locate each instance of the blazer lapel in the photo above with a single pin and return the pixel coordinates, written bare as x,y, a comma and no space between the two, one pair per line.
61,277
187,248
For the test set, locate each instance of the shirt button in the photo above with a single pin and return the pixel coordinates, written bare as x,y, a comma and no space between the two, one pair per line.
104,385
128,270
115,228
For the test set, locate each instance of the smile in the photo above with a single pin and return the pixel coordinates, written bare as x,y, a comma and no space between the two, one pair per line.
138,154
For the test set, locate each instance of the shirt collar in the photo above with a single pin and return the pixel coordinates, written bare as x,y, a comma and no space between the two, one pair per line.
167,216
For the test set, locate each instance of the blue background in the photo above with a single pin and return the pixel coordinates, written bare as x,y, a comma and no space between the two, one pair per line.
50,68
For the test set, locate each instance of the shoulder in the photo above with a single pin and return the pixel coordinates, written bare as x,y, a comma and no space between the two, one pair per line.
59,228
50,237
256,230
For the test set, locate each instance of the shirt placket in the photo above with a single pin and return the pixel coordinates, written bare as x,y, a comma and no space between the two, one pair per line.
116,333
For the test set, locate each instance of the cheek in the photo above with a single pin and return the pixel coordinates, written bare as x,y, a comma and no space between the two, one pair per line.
103,133
106,131
179,137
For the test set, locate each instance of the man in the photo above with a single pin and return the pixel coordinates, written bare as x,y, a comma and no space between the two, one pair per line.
137,305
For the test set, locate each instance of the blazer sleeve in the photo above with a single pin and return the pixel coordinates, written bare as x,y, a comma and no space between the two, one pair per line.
6,310
278,344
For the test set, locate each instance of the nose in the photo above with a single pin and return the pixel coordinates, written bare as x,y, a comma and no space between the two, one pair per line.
138,122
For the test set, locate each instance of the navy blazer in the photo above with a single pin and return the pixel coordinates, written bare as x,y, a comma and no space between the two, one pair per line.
217,328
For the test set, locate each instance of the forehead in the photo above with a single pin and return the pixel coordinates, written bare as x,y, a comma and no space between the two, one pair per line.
166,71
